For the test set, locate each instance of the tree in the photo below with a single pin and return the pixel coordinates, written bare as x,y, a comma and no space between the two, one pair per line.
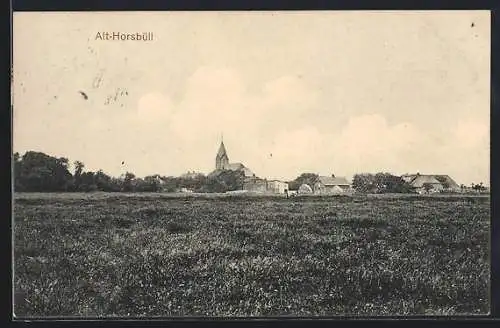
364,183
63,161
380,183
478,187
17,172
225,181
388,183
37,171
106,183
169,184
128,182
150,183
79,166
88,182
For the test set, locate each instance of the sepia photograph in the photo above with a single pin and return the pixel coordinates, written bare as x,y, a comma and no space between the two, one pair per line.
250,164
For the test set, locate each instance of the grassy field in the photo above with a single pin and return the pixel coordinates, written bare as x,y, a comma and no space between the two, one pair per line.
156,255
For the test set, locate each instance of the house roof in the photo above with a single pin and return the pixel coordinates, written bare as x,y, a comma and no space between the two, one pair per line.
278,181
448,180
333,181
419,180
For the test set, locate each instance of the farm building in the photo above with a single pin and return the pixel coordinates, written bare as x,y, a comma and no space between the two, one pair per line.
277,186
305,189
331,185
255,184
430,182
265,186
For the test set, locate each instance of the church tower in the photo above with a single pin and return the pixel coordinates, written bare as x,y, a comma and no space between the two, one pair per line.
221,160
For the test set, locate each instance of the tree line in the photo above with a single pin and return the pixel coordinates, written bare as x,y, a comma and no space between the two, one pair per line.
39,172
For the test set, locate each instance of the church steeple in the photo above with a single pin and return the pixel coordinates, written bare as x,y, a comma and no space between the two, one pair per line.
221,160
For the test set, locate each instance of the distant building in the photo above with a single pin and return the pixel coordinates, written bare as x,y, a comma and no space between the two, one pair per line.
424,183
255,184
277,187
331,185
305,189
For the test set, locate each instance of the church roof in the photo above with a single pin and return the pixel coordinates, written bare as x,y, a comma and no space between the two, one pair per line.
235,166
222,150
240,167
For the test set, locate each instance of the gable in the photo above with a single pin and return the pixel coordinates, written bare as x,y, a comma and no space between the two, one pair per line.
420,180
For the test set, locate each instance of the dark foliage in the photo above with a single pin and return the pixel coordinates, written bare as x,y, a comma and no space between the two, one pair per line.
39,172
36,171
225,181
380,183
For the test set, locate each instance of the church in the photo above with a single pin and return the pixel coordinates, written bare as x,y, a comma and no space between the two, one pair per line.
222,163
252,182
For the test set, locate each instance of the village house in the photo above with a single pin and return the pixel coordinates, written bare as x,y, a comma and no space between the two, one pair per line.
331,185
277,187
429,183
255,184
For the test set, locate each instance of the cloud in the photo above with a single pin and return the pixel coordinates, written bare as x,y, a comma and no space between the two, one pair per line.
274,131
170,137
154,107
370,143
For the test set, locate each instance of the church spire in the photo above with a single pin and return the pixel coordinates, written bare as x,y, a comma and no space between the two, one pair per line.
222,150
221,160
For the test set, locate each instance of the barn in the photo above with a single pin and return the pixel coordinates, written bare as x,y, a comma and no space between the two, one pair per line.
424,183
277,187
331,185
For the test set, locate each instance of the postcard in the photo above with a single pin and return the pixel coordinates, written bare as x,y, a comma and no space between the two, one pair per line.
251,164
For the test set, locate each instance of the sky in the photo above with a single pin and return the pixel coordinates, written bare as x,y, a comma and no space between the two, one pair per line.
291,92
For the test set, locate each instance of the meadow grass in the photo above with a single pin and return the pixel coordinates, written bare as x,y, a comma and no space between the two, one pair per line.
158,255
